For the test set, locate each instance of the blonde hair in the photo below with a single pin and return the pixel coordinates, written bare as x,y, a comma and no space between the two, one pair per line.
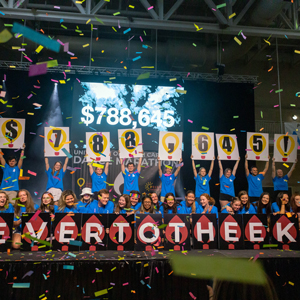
6,202
62,200
127,205
29,203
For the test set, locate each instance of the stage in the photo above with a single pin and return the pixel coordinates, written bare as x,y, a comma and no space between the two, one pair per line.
128,275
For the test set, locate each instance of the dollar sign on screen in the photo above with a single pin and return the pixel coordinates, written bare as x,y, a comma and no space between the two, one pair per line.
89,117
12,132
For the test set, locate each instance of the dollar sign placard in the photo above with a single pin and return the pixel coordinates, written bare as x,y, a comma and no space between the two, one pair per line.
203,146
130,143
285,148
227,146
170,145
56,139
257,146
88,116
13,132
97,146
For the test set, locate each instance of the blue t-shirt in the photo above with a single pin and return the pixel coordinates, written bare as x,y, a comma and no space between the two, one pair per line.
281,184
184,209
137,206
275,208
68,209
263,211
12,178
251,210
161,210
227,186
123,211
23,211
214,210
94,208
55,182
167,184
131,182
98,182
10,209
255,185
82,207
202,185
159,204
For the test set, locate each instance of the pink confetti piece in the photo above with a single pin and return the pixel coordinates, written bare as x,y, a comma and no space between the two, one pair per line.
248,149
32,173
50,141
69,64
29,96
147,277
54,80
4,76
255,87
37,70
93,280
126,283
150,7
71,53
66,47
57,7
188,74
271,91
50,57
141,39
156,270
276,105
65,76
110,189
36,86
27,59
33,218
60,42
78,80
130,39
112,283
190,121
119,24
213,9
243,36
22,49
256,257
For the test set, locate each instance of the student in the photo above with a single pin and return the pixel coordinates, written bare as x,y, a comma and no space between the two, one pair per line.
235,205
202,179
99,177
131,177
189,205
123,206
147,206
247,207
170,205
295,205
5,206
255,180
55,178
263,205
282,205
167,179
207,204
226,183
134,200
67,202
11,173
29,207
86,200
103,205
47,203
280,181
156,202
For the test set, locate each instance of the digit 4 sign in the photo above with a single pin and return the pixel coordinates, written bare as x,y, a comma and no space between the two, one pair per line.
56,139
258,146
227,146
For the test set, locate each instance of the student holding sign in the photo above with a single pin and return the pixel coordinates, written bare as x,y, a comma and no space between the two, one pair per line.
131,177
55,178
11,173
123,205
255,180
226,183
5,206
167,179
280,181
207,204
170,205
202,179
235,206
189,205
147,206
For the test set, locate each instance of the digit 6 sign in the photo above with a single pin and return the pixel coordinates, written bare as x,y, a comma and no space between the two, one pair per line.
12,132
55,140
258,146
227,146
97,146
203,145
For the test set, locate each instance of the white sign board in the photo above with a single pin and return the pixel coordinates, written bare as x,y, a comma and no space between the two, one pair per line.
56,139
258,146
203,145
170,145
12,133
227,146
130,143
97,146
285,148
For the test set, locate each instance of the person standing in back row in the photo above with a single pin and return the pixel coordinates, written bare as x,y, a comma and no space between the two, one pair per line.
255,180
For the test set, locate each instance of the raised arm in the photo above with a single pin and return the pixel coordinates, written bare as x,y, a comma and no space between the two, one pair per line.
211,167
266,166
20,163
65,164
106,168
289,174
91,168
246,165
122,165
2,160
274,169
139,167
47,163
178,169
220,167
194,167
235,167
159,167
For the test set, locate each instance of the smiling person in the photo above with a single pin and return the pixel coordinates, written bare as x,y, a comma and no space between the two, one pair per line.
29,207
255,180
47,203
86,200
103,205
226,183
170,205
147,206
263,205
134,200
55,178
67,202
295,205
123,206
208,205
5,206
167,179
189,205
281,205
156,202
11,173
235,205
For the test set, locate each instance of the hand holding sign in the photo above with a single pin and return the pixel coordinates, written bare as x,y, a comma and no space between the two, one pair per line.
259,144
12,130
227,147
285,148
98,146
130,143
56,139
203,146
170,145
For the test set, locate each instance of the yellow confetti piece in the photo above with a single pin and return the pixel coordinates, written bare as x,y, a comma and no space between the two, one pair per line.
62,82
148,67
30,113
232,129
287,166
232,15
297,51
267,42
88,21
131,6
15,48
173,79
50,63
237,40
86,45
291,283
114,29
39,49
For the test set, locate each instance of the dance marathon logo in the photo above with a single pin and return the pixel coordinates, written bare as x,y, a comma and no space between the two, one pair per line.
120,232
284,231
60,138
172,144
227,144
255,232
258,144
4,231
205,232
65,231
130,140
148,233
98,144
176,232
285,145
230,231
203,143
93,229
11,130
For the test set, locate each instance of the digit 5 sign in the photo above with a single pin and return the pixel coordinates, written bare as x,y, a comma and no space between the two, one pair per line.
55,140
227,146
259,144
12,130
203,145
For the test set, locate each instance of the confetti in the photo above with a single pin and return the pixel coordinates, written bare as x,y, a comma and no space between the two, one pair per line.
232,15
237,40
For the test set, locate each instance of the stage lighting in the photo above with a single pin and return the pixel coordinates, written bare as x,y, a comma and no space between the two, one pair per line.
55,83
294,117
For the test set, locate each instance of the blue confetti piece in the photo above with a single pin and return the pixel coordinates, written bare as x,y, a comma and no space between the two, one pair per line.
61,20
38,107
2,13
286,36
75,243
127,30
72,254
92,128
39,124
142,282
136,58
66,152
36,37
76,146
148,286
138,52
45,276
155,142
145,46
243,130
21,285
68,267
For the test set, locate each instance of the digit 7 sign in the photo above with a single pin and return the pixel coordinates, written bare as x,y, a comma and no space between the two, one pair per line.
56,139
227,146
